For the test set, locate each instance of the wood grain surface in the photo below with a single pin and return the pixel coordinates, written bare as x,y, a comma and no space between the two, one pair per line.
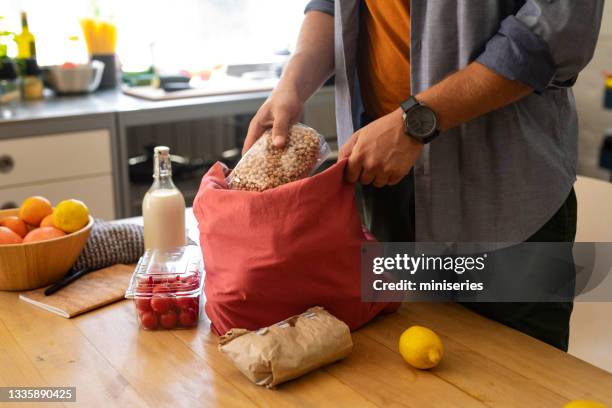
113,363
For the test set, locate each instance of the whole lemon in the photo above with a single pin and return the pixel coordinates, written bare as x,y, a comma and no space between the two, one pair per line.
421,347
584,404
70,215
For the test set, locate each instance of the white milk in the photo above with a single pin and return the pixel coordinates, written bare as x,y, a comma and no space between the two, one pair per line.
163,207
164,219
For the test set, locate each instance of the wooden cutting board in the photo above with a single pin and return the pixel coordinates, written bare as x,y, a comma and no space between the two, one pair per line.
92,291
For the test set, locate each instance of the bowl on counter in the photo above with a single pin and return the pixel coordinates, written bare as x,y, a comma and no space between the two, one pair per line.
75,78
36,264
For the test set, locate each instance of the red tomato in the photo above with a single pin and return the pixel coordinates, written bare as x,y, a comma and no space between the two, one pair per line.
188,317
161,288
186,302
168,320
190,283
143,304
148,320
161,303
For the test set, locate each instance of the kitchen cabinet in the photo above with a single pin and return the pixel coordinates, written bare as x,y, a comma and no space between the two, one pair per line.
59,166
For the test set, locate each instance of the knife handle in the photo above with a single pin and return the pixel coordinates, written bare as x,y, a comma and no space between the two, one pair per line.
65,281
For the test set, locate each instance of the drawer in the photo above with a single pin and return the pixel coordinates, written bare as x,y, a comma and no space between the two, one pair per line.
96,192
53,157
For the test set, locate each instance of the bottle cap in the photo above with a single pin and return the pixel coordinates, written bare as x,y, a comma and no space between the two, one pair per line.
162,150
162,164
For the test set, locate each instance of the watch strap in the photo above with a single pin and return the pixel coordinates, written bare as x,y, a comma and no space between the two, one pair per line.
409,104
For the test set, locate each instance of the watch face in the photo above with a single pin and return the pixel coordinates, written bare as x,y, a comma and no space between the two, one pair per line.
421,122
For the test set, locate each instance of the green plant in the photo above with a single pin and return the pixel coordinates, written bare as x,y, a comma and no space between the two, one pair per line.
5,38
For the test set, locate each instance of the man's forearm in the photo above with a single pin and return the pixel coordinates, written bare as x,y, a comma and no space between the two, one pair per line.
470,93
313,60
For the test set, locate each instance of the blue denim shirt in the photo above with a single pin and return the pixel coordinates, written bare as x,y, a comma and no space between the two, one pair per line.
500,177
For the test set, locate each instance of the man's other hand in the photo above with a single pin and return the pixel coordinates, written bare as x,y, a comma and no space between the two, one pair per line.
380,153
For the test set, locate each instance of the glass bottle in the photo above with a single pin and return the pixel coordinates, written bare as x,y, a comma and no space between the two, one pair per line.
163,206
26,43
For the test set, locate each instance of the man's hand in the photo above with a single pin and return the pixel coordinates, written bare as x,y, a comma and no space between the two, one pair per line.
380,153
282,109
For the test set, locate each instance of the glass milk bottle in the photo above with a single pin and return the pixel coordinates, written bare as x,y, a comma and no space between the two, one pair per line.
163,207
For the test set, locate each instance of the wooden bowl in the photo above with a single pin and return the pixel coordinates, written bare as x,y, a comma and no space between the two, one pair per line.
37,264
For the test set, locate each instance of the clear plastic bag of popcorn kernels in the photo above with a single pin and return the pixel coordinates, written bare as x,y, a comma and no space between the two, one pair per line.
266,166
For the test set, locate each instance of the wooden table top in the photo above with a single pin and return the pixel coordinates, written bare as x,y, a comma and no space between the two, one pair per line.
113,363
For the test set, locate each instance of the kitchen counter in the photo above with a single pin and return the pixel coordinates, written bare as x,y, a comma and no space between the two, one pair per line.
111,362
101,102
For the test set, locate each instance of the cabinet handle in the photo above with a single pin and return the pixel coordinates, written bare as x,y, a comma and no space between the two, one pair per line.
8,205
6,163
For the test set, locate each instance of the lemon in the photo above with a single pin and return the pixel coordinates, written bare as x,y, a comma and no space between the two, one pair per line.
584,404
421,347
70,215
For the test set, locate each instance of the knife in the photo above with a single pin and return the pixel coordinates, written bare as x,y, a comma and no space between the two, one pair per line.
65,281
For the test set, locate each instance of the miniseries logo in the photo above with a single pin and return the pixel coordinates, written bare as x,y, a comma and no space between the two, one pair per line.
413,264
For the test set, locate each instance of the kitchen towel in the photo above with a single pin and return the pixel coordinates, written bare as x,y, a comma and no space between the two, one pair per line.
92,291
111,244
273,254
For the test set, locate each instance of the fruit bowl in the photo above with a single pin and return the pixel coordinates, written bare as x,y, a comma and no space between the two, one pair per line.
36,264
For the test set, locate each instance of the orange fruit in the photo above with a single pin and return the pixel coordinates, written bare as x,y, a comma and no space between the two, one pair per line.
43,234
34,209
14,223
8,236
47,221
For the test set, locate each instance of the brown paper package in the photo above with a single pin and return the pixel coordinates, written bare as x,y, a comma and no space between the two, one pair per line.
288,349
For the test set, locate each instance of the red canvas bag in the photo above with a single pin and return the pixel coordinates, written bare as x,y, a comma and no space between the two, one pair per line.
273,254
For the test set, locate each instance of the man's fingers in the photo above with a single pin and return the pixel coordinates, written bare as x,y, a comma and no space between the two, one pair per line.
347,147
367,177
393,180
255,131
280,129
381,180
353,169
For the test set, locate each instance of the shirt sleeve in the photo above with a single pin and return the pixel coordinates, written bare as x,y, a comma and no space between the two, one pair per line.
546,43
325,6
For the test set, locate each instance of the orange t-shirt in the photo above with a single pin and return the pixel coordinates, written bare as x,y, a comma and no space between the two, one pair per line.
384,55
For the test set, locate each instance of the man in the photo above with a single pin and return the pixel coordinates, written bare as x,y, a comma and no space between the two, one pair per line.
473,96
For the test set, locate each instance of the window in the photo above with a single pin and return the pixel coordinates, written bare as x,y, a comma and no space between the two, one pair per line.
174,34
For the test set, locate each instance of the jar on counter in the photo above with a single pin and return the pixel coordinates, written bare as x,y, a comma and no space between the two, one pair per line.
32,85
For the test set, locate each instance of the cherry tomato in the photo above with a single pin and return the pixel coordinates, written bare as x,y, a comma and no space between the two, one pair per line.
161,303
190,283
188,317
161,288
143,304
148,320
169,319
186,303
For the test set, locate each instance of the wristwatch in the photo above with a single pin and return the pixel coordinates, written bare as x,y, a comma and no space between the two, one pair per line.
420,121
